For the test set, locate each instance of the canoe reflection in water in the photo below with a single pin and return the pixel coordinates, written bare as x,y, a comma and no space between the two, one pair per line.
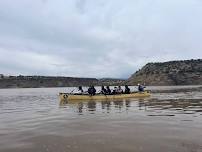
91,105
106,105
103,106
80,107
172,104
184,106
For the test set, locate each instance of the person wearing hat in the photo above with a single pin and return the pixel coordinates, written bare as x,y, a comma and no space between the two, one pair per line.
140,88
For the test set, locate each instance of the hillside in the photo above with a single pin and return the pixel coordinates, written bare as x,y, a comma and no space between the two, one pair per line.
186,72
111,81
44,81
50,81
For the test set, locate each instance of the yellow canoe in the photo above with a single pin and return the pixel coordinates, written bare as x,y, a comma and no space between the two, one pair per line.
67,96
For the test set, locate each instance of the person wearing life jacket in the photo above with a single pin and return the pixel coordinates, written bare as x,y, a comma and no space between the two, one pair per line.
127,90
108,90
92,90
115,90
140,88
119,90
103,90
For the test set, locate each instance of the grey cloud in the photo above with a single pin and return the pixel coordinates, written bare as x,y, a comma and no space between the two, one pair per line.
96,38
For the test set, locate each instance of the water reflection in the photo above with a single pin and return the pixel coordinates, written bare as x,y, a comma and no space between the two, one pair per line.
91,105
106,105
192,105
186,106
127,103
30,117
118,104
142,104
80,107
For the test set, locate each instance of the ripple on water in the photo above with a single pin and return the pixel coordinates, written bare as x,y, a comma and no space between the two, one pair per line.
29,114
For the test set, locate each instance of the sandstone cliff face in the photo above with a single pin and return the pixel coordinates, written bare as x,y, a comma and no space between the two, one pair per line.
187,72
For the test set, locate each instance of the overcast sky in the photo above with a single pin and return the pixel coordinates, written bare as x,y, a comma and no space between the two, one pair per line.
96,38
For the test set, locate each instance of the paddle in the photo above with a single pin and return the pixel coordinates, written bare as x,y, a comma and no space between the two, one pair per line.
72,91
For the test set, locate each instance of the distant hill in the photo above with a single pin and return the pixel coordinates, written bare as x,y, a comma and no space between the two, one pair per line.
186,72
44,81
50,81
111,81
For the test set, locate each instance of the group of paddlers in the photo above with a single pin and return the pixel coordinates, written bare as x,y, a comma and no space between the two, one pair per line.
106,90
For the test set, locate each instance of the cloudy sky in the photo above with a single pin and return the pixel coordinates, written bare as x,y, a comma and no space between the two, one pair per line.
96,38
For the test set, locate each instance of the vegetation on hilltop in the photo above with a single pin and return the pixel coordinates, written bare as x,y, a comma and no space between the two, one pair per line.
186,72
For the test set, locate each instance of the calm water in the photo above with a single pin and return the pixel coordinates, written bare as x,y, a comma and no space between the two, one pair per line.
33,120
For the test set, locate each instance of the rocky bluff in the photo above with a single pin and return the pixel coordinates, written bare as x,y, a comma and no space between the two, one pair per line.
186,72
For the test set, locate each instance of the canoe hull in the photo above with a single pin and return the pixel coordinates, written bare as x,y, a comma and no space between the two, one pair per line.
66,96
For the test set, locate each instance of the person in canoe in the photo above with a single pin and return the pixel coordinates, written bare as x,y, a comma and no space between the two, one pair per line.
91,91
108,91
119,90
103,90
115,91
78,91
140,88
127,90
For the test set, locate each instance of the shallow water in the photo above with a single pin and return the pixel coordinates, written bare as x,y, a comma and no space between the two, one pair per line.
34,120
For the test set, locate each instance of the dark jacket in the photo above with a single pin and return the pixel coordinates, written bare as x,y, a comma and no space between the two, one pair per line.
91,91
127,90
108,91
140,88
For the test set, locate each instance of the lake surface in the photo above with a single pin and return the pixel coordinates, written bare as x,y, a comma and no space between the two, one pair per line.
33,120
